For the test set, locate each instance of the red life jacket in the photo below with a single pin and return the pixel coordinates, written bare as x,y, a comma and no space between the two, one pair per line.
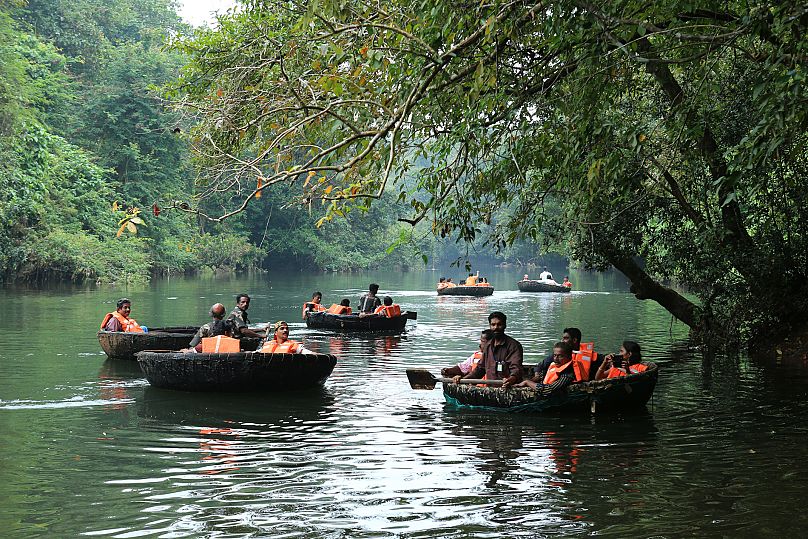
581,363
274,347
389,311
127,324
554,370
313,307
638,367
614,372
339,309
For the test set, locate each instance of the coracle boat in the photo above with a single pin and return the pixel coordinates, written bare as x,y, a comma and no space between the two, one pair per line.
122,345
235,372
625,392
540,286
466,291
352,322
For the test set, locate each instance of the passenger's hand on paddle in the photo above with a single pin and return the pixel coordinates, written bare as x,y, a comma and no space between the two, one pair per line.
508,382
456,379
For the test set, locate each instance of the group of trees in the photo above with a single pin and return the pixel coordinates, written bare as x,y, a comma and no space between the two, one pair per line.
89,147
663,138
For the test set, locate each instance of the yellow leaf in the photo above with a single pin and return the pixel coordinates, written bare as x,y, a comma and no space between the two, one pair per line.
115,206
130,226
219,92
120,230
329,189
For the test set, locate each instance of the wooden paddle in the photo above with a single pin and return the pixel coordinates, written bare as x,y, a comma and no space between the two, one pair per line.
423,379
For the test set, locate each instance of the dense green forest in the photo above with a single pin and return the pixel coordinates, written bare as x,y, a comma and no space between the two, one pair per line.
666,139
92,158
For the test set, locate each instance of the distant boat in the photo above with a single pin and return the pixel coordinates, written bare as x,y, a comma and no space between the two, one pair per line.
541,286
625,392
124,345
235,372
461,290
353,322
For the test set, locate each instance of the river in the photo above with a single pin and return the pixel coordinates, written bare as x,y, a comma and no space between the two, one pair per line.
87,448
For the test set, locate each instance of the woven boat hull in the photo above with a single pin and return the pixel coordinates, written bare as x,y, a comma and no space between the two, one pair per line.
628,392
351,322
466,291
121,345
235,372
538,286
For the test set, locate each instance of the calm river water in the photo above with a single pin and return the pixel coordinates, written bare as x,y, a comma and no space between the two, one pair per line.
87,448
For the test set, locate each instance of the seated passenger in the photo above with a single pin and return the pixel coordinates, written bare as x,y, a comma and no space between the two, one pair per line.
281,343
450,283
342,308
314,304
470,363
525,278
388,309
566,282
442,283
560,374
615,365
471,280
215,327
120,321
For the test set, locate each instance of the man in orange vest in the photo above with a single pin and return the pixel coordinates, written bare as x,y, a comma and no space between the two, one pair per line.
314,304
120,321
560,374
281,343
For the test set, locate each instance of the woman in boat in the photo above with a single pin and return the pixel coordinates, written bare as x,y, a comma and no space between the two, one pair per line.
470,363
627,361
281,343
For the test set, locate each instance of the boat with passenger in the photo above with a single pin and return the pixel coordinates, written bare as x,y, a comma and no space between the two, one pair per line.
354,322
235,371
125,345
609,394
532,285
460,290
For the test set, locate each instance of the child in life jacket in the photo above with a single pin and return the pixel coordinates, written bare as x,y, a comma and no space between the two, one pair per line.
466,366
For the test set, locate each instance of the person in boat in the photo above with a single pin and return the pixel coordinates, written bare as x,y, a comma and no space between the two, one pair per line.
566,282
388,308
627,361
450,283
571,336
502,350
558,376
217,326
525,278
238,319
280,343
314,304
471,280
545,275
120,321
470,363
442,283
344,307
369,302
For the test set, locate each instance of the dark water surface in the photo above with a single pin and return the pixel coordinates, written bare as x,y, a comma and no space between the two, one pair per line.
87,448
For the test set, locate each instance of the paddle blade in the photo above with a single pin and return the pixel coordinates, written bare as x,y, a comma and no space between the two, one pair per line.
421,379
410,315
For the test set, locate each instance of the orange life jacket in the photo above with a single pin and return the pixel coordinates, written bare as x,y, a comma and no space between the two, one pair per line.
471,280
220,344
274,347
127,324
638,367
484,284
388,310
581,363
554,370
313,307
339,309
614,372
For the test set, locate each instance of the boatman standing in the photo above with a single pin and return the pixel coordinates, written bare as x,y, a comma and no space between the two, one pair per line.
502,350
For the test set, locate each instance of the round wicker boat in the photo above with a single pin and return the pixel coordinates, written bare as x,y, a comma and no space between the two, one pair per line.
123,345
625,392
235,372
352,322
466,291
539,286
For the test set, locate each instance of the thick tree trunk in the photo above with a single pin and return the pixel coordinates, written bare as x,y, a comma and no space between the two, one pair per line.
643,286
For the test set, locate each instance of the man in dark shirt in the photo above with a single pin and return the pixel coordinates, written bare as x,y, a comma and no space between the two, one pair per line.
239,321
369,302
215,327
502,350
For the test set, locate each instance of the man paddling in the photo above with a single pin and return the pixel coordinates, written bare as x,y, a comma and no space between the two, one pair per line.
215,327
238,319
502,350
